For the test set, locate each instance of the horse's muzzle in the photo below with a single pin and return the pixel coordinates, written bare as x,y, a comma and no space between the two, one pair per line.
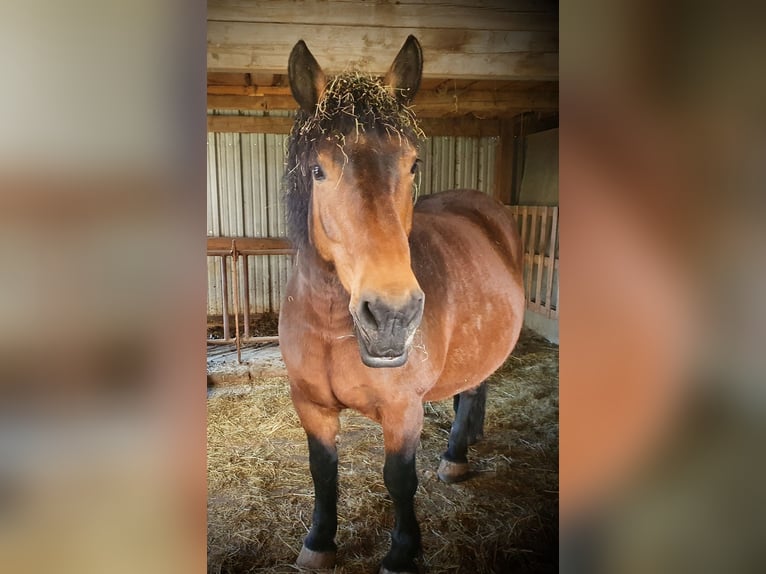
385,331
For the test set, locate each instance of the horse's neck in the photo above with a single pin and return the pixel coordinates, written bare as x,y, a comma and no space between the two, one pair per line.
322,287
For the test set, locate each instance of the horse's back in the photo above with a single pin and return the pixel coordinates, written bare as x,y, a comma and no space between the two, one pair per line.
485,213
466,254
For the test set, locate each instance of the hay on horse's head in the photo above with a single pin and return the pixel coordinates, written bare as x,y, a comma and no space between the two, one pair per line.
355,102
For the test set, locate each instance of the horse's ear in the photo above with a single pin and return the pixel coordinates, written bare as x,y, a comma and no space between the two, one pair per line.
307,80
406,71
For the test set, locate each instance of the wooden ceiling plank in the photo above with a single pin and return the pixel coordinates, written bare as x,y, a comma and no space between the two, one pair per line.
226,79
449,14
471,54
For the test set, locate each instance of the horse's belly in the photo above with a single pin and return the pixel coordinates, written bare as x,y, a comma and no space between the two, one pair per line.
471,275
478,346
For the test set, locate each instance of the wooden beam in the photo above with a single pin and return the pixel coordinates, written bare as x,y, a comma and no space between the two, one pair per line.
265,47
249,124
245,89
227,80
498,103
504,163
238,83
464,126
249,245
454,14
432,104
252,102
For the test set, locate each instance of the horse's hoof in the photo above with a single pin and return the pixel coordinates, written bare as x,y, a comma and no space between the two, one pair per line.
315,560
450,472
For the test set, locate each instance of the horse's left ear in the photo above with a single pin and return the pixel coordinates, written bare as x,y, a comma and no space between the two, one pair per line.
406,71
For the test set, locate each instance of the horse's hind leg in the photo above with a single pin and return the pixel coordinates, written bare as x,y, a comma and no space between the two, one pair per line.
466,430
475,424
321,426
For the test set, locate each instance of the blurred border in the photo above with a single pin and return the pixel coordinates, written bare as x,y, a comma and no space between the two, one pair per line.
102,296
662,322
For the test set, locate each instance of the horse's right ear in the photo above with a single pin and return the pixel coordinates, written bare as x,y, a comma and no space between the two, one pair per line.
405,73
307,80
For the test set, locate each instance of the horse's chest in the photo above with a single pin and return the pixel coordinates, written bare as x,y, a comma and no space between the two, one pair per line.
332,373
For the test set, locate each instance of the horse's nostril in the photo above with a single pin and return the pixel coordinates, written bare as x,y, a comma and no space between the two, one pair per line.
367,315
415,306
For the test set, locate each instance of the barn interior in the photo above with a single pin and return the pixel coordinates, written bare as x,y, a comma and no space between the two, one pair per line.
488,103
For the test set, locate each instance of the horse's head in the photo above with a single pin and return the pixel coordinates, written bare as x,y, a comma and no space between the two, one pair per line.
353,157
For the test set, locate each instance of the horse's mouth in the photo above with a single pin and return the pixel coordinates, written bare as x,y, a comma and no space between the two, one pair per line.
381,361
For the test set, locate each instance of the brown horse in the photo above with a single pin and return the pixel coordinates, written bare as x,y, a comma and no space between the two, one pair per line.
389,305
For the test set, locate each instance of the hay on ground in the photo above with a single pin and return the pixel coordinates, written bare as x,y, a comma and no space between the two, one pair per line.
505,519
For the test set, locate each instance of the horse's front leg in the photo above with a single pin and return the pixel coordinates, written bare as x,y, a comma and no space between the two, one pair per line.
321,426
401,432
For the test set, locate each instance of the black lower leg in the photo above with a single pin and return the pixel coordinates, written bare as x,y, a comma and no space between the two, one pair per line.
402,482
469,423
476,417
324,470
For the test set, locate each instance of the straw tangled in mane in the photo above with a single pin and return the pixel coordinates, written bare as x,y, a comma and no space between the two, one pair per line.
360,102
352,103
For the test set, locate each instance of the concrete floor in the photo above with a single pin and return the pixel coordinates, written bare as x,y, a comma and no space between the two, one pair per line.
225,376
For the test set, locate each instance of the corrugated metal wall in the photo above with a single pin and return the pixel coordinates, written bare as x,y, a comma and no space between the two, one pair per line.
457,162
243,198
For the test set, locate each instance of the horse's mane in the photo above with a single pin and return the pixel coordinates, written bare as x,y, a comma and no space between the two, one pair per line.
351,103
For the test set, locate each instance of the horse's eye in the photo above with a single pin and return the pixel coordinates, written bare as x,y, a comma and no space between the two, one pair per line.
414,168
317,172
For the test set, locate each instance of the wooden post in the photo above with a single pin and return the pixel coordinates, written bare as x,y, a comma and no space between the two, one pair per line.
225,289
531,248
540,256
246,308
504,163
552,268
235,278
